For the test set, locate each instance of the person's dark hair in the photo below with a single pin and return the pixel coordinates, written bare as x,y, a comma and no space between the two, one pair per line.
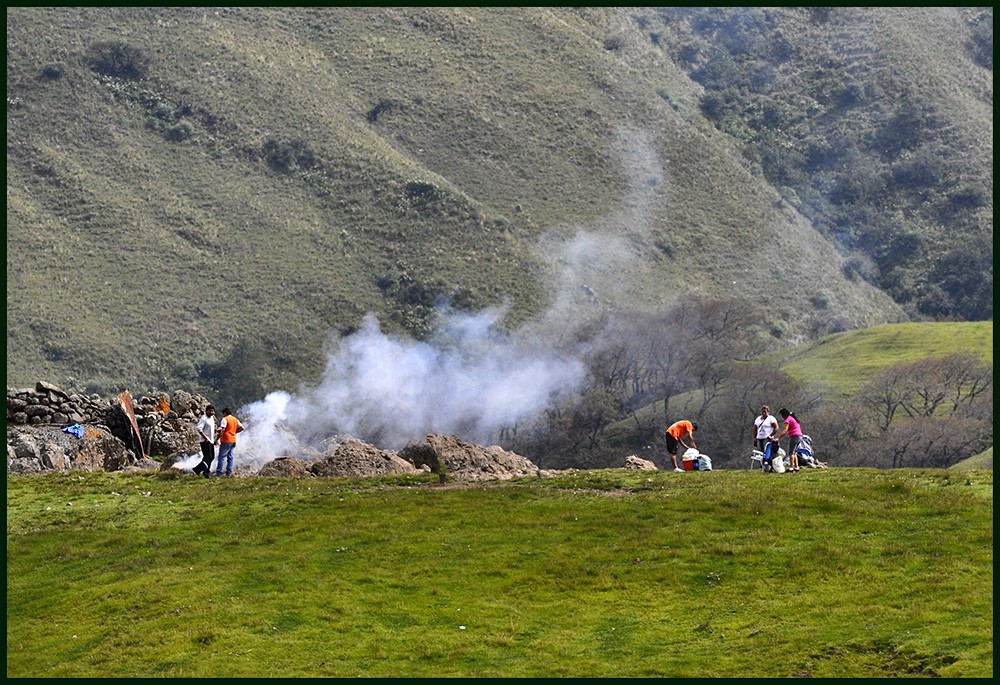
785,414
694,426
208,406
225,411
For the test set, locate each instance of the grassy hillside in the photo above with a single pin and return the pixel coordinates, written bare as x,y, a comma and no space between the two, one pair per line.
866,128
842,573
188,188
842,362
983,460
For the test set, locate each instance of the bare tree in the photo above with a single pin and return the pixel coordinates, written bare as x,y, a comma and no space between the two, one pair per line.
931,442
840,433
885,395
968,378
662,344
729,428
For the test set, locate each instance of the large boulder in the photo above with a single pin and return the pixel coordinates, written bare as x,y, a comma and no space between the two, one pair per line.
169,436
454,458
635,463
47,448
356,458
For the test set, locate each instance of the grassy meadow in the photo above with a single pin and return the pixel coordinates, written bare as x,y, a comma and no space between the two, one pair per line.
605,573
843,362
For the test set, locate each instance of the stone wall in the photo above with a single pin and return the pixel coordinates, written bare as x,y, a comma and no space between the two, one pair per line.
49,404
166,428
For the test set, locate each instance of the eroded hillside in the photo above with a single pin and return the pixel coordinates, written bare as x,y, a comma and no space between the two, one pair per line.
186,187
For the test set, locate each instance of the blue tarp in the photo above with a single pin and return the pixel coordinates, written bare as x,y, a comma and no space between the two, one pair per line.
76,429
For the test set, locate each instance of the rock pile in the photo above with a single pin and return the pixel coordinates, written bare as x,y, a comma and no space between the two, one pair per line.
166,428
49,404
354,457
456,459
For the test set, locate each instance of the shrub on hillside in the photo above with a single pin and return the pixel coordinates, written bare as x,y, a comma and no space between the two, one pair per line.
423,192
383,105
969,197
289,156
981,45
53,70
860,266
180,131
116,58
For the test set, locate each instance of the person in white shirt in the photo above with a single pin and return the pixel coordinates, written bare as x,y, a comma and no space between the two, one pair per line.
206,432
765,426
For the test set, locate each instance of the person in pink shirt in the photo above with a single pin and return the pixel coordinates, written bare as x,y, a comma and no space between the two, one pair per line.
794,432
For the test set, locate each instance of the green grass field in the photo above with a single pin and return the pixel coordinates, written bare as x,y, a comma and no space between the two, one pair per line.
839,573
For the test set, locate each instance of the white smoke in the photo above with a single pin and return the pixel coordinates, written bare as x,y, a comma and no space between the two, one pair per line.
469,380
188,463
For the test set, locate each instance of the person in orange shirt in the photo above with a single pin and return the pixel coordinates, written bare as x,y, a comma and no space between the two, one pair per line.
226,436
675,438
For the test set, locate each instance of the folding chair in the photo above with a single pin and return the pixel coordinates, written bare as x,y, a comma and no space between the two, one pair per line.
757,457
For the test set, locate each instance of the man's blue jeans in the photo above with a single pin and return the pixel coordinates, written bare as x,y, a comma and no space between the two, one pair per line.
226,450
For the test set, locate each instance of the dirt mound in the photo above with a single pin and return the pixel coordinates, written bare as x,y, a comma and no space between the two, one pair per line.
463,461
286,467
355,458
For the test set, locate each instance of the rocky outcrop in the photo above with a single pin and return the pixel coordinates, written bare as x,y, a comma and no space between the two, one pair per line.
456,459
32,449
49,404
166,427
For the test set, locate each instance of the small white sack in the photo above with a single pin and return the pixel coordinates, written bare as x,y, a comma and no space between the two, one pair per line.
778,463
690,453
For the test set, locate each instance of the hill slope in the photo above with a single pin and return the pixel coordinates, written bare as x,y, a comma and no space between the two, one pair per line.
187,188
842,362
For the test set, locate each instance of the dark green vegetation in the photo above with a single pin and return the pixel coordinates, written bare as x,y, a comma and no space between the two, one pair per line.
199,197
852,116
842,573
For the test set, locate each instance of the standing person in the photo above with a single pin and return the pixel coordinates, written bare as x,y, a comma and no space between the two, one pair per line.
206,431
765,426
794,432
228,429
675,437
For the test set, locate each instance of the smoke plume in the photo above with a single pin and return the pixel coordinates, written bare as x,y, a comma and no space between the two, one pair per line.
471,378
